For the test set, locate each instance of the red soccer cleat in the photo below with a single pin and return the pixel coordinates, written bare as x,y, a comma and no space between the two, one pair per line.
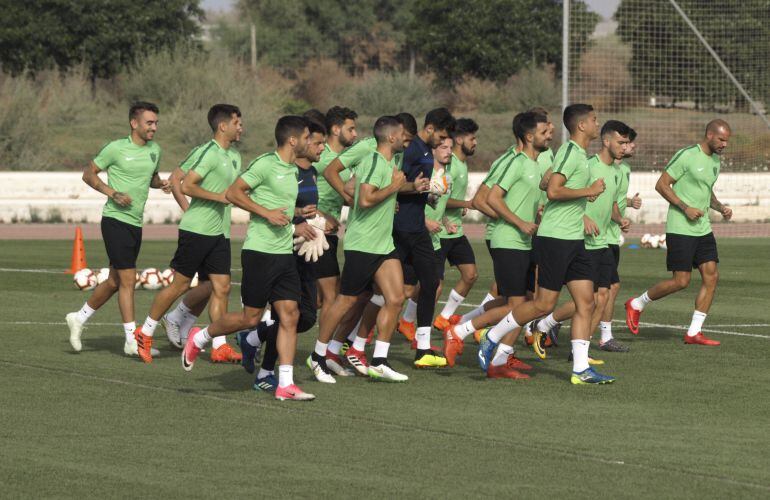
517,364
358,361
144,345
632,317
453,346
505,371
407,329
225,354
700,339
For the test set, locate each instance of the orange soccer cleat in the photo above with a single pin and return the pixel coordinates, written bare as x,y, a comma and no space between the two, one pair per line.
225,354
144,345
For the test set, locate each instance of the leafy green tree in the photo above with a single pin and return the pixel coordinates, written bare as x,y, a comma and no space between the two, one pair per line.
104,35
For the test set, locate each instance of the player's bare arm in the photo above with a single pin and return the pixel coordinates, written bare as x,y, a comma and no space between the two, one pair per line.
665,186
191,187
479,202
176,179
497,203
332,176
238,195
91,177
369,195
558,191
720,207
158,183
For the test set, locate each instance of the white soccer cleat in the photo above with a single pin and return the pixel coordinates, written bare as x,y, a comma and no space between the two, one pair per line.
131,348
385,373
319,371
172,331
76,330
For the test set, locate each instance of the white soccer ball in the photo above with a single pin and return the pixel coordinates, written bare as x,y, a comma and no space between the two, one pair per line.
167,277
621,240
104,273
646,240
439,184
194,281
151,279
654,241
85,279
662,243
138,282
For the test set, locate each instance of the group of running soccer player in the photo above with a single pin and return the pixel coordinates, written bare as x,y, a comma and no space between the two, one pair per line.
552,220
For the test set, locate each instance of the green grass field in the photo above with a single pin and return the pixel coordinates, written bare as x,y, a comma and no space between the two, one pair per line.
681,421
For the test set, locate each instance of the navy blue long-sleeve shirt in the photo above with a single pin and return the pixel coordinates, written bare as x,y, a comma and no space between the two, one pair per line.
418,157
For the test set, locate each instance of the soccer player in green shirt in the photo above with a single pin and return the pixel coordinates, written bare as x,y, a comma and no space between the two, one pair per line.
455,246
370,255
268,191
688,185
516,198
132,165
204,243
562,256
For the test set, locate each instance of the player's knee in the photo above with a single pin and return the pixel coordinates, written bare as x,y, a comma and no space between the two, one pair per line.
602,296
682,280
290,317
470,277
544,307
711,278
222,290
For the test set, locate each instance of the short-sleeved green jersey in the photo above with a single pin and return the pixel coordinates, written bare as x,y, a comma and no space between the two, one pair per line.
273,184
544,161
357,153
564,219
218,168
521,182
695,174
329,201
600,210
458,169
130,169
439,212
370,229
613,235
494,174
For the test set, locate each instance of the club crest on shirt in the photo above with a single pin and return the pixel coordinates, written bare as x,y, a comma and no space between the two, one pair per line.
153,157
715,171
235,164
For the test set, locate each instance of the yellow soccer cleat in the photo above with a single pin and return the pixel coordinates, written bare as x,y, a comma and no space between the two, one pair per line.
430,360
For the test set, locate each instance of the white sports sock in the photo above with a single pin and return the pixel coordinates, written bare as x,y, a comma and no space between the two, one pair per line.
264,373
423,337
503,351
527,330
696,324
202,338
335,346
580,355
285,375
128,330
452,303
179,314
354,332
267,317
253,338
85,312
218,342
359,344
377,300
547,323
606,329
464,329
185,325
641,302
148,328
475,313
381,349
410,314
487,298
507,324
320,348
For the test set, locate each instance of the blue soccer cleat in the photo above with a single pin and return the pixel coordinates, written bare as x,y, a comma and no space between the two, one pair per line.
266,384
590,376
486,350
249,351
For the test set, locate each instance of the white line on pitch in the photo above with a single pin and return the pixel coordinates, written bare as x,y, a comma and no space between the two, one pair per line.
46,271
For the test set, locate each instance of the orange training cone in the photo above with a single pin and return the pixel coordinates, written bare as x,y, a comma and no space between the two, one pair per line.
78,253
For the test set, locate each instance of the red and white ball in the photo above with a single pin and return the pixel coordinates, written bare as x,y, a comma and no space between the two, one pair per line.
167,277
151,279
85,279
103,274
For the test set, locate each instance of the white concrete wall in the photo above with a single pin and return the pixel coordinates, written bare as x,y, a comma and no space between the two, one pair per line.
51,195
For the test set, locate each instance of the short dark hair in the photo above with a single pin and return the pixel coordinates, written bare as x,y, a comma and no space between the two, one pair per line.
337,115
573,114
221,113
539,110
631,134
515,123
315,115
382,127
465,126
611,126
527,123
288,126
137,107
408,121
441,119
315,127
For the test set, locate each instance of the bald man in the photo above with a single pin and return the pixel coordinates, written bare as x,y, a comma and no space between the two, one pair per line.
688,185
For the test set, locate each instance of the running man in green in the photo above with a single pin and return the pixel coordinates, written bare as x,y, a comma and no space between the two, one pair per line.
132,165
204,243
688,185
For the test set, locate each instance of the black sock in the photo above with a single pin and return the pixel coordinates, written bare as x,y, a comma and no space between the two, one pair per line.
422,352
379,361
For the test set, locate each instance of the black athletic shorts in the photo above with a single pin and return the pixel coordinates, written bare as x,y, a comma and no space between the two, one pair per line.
268,277
602,263
511,271
615,250
198,252
561,261
457,251
685,253
122,242
359,270
328,265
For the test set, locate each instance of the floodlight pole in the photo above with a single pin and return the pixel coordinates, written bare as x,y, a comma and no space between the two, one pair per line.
564,65
721,64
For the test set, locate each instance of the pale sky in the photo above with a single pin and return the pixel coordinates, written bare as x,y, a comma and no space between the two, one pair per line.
604,7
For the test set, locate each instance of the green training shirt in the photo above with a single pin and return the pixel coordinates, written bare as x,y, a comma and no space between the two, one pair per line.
357,153
695,174
218,168
458,169
564,219
613,234
273,184
130,169
329,201
600,210
494,174
370,230
521,183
